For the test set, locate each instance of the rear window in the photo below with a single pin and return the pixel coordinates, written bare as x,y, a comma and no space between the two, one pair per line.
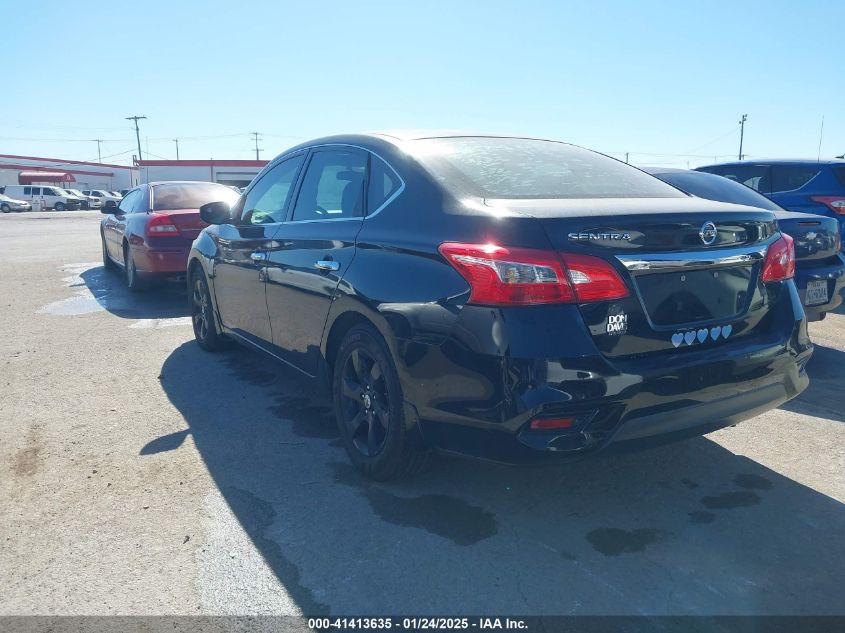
790,177
526,168
190,195
839,172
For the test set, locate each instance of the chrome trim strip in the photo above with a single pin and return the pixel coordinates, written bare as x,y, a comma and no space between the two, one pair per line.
660,262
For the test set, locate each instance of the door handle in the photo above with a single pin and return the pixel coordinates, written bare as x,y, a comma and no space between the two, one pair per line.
258,256
327,264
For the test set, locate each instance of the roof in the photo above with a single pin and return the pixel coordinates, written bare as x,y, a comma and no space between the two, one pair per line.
202,163
782,161
29,177
64,161
106,174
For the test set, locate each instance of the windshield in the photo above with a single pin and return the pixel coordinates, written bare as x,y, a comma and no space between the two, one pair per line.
527,168
186,195
719,188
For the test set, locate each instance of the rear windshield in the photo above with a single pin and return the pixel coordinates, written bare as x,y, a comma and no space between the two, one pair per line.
526,168
719,188
188,195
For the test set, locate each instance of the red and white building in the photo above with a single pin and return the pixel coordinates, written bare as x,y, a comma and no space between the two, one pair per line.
74,174
227,172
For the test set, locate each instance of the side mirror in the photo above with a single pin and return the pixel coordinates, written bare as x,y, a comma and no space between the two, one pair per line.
216,213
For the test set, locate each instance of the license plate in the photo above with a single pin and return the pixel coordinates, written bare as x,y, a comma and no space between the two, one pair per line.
816,293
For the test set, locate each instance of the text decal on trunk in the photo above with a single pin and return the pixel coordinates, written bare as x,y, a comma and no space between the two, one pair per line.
696,337
613,236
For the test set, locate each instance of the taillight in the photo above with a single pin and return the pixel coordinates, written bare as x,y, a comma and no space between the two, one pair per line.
160,225
780,260
500,275
834,203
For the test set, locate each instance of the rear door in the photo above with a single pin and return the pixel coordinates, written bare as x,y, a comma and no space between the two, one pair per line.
313,250
114,227
242,250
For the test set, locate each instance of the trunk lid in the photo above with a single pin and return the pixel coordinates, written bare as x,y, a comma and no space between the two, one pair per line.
692,267
816,237
188,221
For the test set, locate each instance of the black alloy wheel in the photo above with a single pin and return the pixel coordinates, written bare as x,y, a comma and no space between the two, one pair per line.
202,314
369,406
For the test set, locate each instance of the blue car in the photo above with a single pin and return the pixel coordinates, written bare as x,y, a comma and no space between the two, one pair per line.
806,186
820,266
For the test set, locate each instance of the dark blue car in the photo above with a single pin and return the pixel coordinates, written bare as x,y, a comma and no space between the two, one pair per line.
820,266
807,186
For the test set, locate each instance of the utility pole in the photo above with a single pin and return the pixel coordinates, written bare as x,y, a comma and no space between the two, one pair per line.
255,134
176,140
137,132
99,155
626,157
741,133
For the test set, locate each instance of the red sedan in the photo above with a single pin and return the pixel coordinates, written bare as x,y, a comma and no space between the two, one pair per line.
150,232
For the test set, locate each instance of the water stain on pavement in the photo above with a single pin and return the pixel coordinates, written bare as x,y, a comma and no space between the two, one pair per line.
613,541
310,420
730,500
446,516
701,517
256,515
752,482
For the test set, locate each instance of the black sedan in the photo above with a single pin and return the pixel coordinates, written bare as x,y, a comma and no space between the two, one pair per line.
819,263
510,298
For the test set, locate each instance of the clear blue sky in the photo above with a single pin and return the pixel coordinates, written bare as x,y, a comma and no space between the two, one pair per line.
652,78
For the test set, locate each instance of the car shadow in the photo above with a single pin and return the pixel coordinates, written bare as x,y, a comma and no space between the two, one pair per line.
690,528
822,397
161,300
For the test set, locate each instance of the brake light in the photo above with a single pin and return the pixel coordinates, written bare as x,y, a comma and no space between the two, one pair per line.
552,423
780,260
160,225
500,275
834,203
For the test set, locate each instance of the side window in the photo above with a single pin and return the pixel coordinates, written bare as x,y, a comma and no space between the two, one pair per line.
27,191
789,177
141,202
36,191
383,183
333,186
754,176
126,205
267,202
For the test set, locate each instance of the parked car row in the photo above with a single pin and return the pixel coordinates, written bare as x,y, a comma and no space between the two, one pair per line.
22,198
509,298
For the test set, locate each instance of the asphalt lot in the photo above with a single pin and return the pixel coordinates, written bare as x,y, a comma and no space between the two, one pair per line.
141,475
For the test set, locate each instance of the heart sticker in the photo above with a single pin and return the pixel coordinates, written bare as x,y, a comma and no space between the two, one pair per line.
689,337
726,330
714,332
677,339
702,334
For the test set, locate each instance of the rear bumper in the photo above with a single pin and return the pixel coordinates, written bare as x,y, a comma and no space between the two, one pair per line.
161,261
483,405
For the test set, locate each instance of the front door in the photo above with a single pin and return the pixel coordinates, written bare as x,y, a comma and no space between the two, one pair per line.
242,247
313,250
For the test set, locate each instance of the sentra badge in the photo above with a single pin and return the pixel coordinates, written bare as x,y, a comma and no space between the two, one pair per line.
604,236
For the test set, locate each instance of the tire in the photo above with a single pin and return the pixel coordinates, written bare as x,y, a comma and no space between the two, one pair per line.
202,314
59,206
368,403
108,264
5,208
133,282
